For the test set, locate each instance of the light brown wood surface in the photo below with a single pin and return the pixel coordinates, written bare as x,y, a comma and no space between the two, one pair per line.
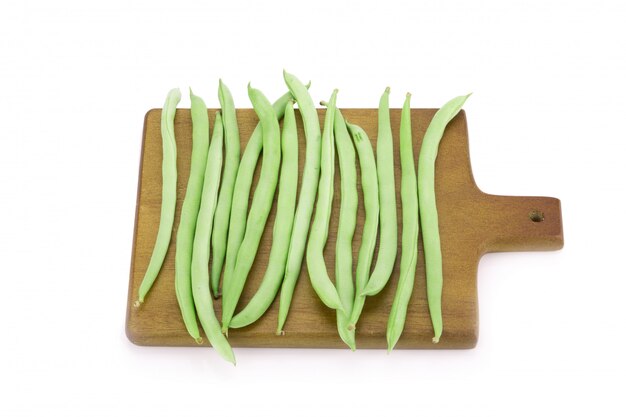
471,223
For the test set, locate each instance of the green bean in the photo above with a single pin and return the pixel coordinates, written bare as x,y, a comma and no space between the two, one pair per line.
388,246
345,231
231,164
200,261
261,204
318,274
241,194
189,214
288,187
410,230
306,200
369,183
168,195
428,209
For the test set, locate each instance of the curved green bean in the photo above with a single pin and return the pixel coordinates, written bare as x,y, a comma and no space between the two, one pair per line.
260,207
345,231
224,202
369,184
241,193
189,214
388,246
306,200
288,187
410,230
318,274
428,209
168,195
200,260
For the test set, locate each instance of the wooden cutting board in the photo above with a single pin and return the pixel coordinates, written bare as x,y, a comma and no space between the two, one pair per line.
471,223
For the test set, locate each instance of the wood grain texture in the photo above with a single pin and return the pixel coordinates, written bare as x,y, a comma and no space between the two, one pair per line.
471,223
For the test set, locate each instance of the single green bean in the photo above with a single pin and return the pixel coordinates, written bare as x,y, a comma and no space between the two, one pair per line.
286,205
189,214
428,209
201,254
318,274
410,230
224,202
369,184
168,195
241,194
306,200
345,231
388,246
260,207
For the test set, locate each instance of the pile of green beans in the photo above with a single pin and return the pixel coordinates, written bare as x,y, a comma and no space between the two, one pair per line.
215,213
288,185
243,184
260,207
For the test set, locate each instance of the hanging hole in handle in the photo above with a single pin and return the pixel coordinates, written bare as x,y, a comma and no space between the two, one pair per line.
536,216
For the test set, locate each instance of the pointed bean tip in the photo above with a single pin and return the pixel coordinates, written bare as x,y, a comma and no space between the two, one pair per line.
436,339
199,340
308,85
137,303
387,90
280,332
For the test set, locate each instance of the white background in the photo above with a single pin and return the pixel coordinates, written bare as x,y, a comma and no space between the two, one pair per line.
546,118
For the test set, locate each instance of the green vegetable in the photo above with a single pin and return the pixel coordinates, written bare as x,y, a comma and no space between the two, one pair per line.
369,184
345,231
241,193
410,230
318,274
168,195
308,189
189,214
224,202
261,204
200,260
288,187
428,208
388,247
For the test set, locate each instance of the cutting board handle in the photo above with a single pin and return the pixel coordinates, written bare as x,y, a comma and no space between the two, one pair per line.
521,223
